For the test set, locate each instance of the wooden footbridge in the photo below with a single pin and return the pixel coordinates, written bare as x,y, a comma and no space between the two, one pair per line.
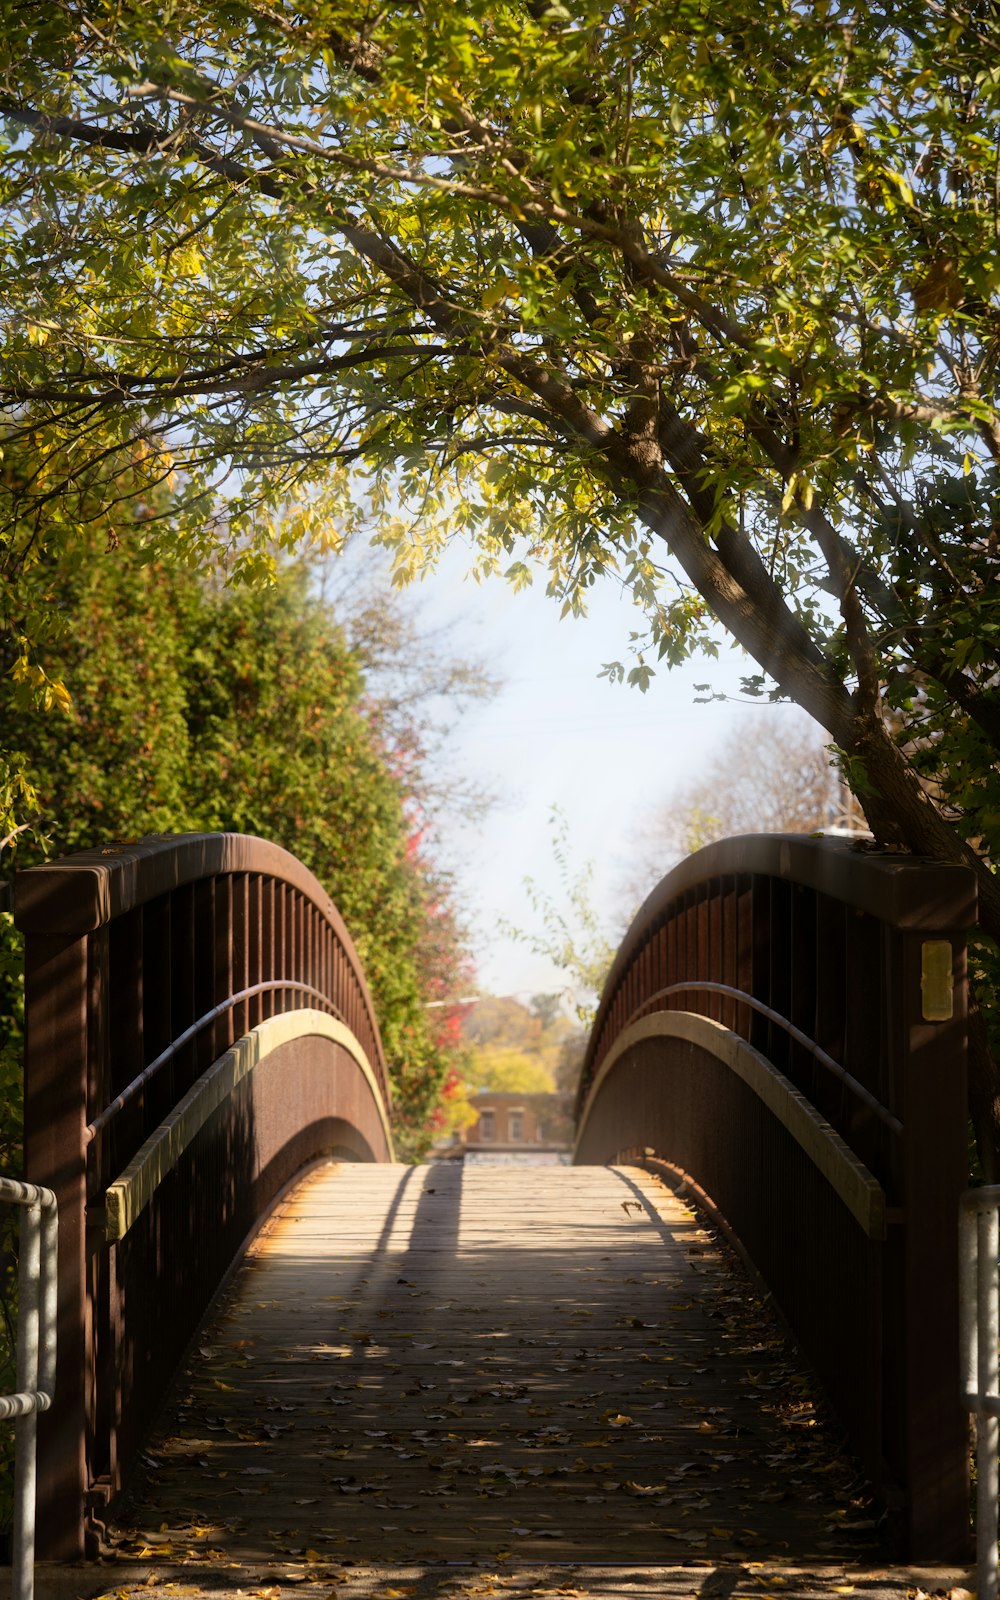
424,1364
493,1366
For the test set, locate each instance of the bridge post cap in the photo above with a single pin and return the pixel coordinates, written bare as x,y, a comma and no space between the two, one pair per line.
84,891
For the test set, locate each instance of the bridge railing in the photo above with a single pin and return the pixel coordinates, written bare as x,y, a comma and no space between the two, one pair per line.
784,1027
36,1363
198,1028
979,1236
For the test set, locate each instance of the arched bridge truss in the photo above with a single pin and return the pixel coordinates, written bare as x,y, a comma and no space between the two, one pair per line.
783,1032
198,1030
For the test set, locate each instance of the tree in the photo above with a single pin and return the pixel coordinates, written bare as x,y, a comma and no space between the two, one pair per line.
192,706
502,1021
532,1049
200,708
416,685
774,779
706,298
575,936
510,1071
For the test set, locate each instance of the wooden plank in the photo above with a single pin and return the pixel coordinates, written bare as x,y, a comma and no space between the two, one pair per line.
430,1364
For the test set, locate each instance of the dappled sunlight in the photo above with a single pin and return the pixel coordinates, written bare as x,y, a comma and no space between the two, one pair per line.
492,1366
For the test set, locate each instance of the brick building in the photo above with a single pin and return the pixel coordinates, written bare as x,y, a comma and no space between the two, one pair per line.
515,1123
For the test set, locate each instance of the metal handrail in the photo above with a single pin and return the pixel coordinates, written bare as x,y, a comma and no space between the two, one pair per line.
979,1239
36,1362
130,1091
818,1054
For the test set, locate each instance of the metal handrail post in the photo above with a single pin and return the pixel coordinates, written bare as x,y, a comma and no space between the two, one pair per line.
987,1422
36,1362
26,1426
979,1236
49,1303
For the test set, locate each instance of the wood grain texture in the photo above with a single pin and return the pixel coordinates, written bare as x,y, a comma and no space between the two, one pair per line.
517,1364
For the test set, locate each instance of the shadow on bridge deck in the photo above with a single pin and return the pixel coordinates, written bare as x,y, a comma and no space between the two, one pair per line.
504,1366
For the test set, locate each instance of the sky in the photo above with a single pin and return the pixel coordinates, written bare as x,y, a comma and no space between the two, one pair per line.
557,734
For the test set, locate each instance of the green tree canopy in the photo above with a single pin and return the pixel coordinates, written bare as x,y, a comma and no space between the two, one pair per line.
196,707
706,297
193,707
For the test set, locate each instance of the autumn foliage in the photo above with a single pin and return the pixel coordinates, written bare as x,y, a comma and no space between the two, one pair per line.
197,707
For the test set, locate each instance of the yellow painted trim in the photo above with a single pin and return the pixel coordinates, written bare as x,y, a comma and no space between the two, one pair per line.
860,1191
132,1191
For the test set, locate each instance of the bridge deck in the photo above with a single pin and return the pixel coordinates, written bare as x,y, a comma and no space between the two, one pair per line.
425,1364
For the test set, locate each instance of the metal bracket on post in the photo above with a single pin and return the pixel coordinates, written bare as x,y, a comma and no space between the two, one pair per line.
979,1245
36,1362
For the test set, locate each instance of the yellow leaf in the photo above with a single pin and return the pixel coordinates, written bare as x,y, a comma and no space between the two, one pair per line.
503,289
901,186
187,260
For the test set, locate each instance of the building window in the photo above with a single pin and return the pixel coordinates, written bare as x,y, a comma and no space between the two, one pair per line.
515,1126
487,1128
